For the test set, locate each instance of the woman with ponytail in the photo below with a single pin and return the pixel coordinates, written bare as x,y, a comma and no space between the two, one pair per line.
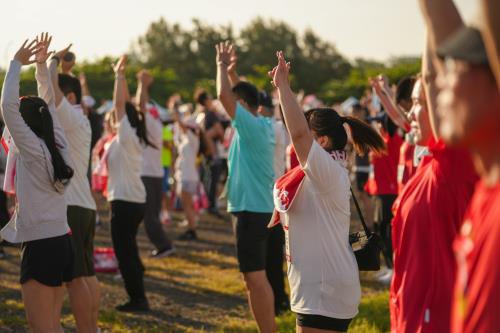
126,192
312,203
39,158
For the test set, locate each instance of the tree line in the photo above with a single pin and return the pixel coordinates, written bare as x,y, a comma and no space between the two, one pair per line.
182,59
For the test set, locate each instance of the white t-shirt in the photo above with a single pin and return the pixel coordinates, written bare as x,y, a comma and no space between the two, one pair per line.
151,166
279,149
188,144
322,268
125,165
78,134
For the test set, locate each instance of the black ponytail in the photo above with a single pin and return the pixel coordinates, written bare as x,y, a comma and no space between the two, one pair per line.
364,137
62,172
138,121
36,114
327,122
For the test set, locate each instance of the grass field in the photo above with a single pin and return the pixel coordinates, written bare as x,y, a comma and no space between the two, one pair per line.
197,290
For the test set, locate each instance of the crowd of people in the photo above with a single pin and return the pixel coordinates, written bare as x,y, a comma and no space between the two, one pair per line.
422,155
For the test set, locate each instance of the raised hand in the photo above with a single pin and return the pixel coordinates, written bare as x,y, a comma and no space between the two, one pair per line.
233,61
60,54
144,77
279,74
27,51
119,67
43,52
224,53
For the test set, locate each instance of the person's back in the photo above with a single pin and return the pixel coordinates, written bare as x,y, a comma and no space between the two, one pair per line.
251,172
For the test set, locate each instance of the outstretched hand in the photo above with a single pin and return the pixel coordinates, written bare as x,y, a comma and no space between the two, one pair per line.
279,74
60,54
119,67
27,51
43,52
144,77
225,51
233,61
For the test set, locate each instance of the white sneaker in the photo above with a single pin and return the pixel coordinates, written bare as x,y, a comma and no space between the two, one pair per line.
183,224
386,278
381,272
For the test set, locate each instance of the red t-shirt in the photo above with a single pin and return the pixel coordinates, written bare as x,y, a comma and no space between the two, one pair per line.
476,306
406,168
384,177
427,217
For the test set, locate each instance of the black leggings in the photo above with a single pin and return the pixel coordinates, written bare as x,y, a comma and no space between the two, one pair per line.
125,220
384,219
274,265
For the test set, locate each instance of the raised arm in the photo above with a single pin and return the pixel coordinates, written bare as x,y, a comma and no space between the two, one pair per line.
224,92
120,89
43,80
392,109
23,136
491,34
231,69
53,64
144,81
295,120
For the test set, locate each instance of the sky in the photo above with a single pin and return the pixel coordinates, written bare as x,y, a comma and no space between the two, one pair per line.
375,29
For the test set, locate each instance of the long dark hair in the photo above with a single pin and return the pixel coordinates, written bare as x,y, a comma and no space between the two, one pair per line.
36,114
327,122
138,121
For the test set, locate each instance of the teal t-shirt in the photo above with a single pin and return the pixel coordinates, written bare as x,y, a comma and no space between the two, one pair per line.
250,161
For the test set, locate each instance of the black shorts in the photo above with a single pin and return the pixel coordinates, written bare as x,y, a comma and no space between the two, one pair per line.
82,223
322,323
48,261
251,240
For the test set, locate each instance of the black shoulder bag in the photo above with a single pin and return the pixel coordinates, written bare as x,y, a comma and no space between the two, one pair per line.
365,244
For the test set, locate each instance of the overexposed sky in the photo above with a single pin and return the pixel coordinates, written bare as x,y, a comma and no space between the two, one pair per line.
375,29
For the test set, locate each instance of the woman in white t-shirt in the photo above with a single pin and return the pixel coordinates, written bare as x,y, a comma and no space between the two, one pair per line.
126,192
312,203
186,174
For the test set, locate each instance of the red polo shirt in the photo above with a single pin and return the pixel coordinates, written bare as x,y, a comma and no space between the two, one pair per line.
384,178
476,306
427,217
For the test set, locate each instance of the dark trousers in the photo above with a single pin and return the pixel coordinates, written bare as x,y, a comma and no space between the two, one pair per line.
384,218
274,265
152,224
125,220
211,175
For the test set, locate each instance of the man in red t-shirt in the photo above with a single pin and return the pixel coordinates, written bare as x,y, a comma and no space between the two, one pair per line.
427,216
470,107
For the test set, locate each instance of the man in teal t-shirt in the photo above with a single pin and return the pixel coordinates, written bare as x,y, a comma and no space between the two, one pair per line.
249,185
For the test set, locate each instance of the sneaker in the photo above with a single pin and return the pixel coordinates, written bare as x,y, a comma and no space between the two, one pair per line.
183,224
386,278
188,235
134,306
381,272
163,253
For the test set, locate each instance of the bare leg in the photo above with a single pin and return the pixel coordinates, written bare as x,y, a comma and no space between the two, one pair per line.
95,292
81,304
59,299
313,330
39,303
261,300
187,205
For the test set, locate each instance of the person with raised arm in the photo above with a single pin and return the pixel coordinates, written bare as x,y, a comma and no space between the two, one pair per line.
65,90
312,203
152,170
126,192
249,186
468,106
42,169
430,209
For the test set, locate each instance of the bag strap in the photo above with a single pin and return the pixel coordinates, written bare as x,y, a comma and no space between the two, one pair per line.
367,231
